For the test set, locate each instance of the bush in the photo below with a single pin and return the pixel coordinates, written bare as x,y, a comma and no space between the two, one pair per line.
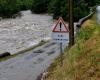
8,8
81,8
40,6
25,4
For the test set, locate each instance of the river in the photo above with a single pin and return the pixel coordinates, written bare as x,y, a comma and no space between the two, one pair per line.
25,31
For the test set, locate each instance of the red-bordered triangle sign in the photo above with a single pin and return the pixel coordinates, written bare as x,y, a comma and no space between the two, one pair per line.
60,26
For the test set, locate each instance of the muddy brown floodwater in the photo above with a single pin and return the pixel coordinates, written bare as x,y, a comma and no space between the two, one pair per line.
25,31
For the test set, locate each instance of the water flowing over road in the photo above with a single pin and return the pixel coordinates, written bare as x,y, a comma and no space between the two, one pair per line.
25,31
31,64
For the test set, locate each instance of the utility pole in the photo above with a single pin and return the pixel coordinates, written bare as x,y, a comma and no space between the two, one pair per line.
71,23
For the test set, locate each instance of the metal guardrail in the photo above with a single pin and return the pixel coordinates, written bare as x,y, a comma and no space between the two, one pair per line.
82,20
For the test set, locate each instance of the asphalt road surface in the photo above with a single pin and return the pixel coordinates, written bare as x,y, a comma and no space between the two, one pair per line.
30,65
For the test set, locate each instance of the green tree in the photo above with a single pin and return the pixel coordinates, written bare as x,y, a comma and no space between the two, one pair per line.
8,7
81,8
25,4
57,7
40,6
92,2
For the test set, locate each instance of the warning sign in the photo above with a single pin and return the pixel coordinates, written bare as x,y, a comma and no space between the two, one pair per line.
60,26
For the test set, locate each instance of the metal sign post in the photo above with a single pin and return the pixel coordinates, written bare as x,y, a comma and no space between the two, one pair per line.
61,52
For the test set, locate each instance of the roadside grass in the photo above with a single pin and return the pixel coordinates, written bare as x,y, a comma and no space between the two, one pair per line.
23,51
82,61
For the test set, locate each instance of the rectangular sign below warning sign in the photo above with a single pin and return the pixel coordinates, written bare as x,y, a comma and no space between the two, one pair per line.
60,37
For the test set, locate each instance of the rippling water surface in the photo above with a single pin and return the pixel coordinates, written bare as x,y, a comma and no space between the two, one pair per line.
25,31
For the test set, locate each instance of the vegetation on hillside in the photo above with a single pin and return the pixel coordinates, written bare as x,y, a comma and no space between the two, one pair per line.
40,6
10,7
81,8
82,61
55,7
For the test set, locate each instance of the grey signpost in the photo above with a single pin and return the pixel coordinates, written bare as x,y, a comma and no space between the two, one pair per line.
61,50
60,35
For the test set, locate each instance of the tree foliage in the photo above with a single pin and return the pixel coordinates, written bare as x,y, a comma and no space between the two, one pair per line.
25,4
40,6
81,8
55,7
10,7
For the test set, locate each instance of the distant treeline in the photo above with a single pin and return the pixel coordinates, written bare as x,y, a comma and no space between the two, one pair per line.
55,7
10,7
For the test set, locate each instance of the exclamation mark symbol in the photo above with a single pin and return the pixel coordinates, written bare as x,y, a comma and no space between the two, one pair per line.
60,26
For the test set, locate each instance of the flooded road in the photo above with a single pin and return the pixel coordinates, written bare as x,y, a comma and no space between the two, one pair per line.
31,64
25,31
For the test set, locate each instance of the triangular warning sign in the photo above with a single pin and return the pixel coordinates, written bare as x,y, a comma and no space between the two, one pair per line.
60,26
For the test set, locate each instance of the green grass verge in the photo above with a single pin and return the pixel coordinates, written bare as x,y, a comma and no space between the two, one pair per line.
82,61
